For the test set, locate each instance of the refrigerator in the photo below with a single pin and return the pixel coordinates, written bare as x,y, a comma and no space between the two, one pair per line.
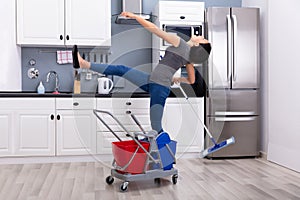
232,103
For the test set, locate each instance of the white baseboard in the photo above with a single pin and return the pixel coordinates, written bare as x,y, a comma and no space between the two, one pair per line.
85,158
263,155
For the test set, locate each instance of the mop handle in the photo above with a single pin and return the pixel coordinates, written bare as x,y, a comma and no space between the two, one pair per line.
187,99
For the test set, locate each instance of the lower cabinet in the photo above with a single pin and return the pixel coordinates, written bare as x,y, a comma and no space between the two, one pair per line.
121,108
27,127
35,132
68,126
76,126
179,120
47,126
6,133
182,121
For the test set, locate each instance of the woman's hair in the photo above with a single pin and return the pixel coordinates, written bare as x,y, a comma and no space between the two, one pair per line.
199,54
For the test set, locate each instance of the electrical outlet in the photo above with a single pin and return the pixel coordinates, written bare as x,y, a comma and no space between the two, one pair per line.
88,76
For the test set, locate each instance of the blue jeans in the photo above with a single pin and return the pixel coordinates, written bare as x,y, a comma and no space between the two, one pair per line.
158,93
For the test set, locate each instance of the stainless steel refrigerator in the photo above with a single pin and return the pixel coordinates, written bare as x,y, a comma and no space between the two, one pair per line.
233,95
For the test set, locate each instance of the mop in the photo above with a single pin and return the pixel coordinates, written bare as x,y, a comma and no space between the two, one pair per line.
216,146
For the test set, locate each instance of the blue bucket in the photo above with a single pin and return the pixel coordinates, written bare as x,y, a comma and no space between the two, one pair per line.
166,157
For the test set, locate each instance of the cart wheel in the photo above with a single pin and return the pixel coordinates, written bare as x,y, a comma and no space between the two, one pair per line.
157,180
109,180
124,186
174,178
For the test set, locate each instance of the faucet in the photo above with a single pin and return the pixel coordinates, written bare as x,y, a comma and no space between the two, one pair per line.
56,80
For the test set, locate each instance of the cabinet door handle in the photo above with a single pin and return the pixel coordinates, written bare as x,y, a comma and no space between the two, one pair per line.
58,117
128,103
67,37
52,117
128,112
75,104
61,37
182,17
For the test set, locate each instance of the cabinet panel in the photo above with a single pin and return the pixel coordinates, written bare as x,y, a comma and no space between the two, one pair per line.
40,22
90,28
6,133
63,22
75,103
76,132
35,132
27,126
183,124
123,103
181,11
121,108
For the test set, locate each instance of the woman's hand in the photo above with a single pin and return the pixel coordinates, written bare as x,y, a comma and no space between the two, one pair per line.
128,14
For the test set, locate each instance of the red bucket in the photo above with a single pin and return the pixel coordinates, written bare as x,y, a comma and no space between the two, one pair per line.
123,152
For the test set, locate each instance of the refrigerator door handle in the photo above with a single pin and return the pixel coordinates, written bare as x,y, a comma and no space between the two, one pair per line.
246,113
229,47
234,119
234,20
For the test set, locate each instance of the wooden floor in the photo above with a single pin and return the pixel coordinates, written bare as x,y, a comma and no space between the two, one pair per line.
198,179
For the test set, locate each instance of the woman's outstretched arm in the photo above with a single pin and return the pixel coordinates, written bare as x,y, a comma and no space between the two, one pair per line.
170,38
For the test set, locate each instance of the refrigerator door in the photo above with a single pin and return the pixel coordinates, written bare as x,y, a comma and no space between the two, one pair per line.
218,33
245,131
245,24
232,103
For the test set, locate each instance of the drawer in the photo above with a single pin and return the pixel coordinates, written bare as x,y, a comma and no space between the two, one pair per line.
131,128
27,103
181,11
123,103
125,120
75,103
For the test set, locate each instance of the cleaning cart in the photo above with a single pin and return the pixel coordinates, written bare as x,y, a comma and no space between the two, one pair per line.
151,157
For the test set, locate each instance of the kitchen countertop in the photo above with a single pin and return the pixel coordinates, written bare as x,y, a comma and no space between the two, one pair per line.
68,94
7,94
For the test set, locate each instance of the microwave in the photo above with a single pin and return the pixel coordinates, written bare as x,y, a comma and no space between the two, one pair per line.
183,31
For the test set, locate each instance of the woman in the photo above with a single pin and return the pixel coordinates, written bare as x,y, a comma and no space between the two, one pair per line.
158,83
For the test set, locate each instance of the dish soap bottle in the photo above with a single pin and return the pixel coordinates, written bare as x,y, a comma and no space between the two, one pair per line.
41,88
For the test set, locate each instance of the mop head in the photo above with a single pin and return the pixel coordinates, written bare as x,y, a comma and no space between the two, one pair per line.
217,147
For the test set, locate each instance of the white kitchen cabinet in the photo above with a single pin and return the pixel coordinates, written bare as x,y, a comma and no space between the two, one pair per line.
180,11
76,126
179,121
35,132
183,125
28,127
121,108
63,22
6,124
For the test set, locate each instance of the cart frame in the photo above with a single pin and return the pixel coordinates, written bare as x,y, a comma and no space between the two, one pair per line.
153,156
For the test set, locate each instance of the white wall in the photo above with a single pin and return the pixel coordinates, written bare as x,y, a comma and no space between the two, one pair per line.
284,83
281,80
262,4
10,56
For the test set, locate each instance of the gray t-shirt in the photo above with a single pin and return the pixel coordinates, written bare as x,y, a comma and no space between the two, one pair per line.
175,57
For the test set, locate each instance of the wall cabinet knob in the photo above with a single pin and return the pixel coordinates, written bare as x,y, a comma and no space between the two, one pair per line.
58,117
67,37
61,37
52,117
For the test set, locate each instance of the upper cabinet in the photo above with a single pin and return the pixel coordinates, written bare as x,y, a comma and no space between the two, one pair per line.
63,22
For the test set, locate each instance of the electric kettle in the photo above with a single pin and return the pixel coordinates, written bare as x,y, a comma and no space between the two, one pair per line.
105,85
